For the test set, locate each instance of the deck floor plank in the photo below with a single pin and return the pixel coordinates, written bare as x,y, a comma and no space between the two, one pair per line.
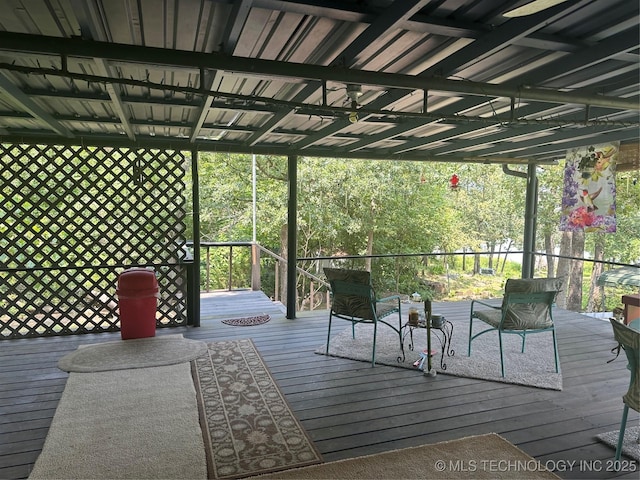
351,409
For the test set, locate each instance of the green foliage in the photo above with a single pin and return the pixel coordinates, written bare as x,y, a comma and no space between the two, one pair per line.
358,207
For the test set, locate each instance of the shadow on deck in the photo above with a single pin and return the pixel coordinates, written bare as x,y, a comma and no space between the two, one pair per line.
351,409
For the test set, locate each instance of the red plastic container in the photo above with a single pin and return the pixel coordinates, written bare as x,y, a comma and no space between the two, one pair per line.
138,300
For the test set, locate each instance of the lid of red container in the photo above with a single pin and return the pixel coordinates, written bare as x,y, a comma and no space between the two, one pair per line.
137,279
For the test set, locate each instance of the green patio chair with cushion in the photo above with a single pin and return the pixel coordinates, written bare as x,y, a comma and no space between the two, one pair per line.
629,340
354,299
526,308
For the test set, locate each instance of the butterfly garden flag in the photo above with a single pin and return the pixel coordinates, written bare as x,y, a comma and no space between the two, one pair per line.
589,196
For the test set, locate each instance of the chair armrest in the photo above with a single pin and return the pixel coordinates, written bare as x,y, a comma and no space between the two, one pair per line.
391,297
484,304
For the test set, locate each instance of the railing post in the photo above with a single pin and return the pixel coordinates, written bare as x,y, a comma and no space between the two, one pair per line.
311,295
255,267
276,295
208,268
230,265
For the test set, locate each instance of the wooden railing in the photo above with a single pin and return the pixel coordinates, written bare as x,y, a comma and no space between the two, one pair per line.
316,284
316,291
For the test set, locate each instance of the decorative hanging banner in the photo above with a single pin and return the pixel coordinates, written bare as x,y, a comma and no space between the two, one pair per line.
589,196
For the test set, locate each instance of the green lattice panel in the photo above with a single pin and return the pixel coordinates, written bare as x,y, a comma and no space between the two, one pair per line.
71,219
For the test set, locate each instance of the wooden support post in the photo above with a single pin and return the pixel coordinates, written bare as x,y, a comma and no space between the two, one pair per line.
255,267
276,295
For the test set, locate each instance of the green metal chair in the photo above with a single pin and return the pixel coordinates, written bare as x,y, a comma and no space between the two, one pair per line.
629,340
527,308
354,299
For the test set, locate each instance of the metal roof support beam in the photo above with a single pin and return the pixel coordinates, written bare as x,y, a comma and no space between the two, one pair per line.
239,13
92,28
253,66
118,105
172,143
490,42
396,13
14,96
612,47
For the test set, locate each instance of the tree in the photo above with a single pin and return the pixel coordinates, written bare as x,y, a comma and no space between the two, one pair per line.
595,302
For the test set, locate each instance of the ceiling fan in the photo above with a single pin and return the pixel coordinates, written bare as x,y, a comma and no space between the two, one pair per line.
532,7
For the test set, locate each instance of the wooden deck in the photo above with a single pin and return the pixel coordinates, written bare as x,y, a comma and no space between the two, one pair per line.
351,409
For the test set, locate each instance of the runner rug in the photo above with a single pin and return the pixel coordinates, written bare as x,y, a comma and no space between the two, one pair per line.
248,426
139,423
221,416
534,368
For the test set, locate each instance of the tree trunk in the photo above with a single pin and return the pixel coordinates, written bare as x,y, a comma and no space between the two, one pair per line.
476,263
596,297
548,248
367,261
491,248
284,236
564,268
574,295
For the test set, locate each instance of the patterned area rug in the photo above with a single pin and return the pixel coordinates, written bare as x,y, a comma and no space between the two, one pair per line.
248,426
247,321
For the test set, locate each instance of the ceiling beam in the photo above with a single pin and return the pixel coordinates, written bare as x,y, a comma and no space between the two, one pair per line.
92,28
116,100
397,12
492,41
624,41
92,96
16,97
239,13
172,143
254,66
537,146
419,23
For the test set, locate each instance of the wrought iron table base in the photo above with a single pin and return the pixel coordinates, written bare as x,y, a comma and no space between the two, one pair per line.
444,337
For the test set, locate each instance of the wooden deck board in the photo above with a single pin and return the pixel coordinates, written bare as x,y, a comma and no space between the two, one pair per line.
351,409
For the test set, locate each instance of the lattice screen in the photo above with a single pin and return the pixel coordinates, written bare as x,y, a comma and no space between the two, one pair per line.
72,219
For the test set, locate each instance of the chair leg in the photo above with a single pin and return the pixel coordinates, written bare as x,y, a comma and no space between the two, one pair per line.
353,329
329,333
524,337
470,330
555,350
375,336
623,426
501,355
400,333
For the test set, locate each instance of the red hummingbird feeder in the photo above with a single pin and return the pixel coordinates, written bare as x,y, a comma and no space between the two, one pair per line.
453,182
